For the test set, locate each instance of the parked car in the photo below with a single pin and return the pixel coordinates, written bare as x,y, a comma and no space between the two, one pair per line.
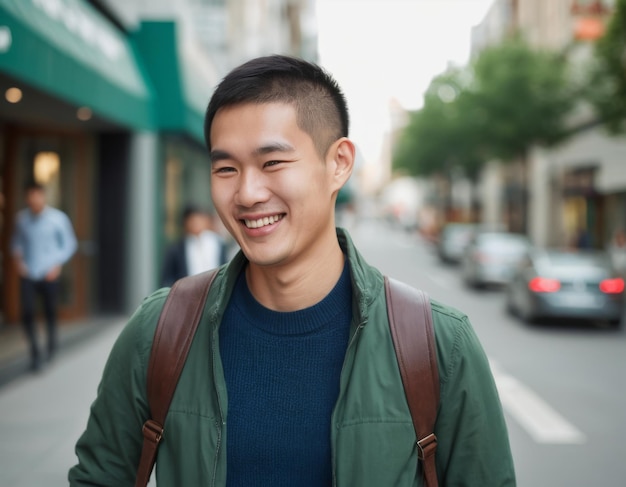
453,239
491,257
566,284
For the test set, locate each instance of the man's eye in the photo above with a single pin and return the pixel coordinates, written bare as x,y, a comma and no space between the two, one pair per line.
224,169
271,163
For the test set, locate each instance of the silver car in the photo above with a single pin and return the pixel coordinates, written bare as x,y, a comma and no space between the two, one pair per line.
566,284
453,240
491,257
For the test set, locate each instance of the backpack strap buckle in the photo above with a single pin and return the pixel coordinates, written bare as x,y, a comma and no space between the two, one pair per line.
152,431
426,446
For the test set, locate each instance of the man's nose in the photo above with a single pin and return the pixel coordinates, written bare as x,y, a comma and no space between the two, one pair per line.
252,189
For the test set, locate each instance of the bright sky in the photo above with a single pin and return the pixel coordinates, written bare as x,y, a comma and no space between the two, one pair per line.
383,49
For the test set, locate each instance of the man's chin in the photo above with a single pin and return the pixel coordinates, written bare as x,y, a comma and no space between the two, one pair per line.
264,260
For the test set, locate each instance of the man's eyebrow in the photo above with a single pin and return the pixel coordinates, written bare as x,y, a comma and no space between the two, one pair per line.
218,155
274,147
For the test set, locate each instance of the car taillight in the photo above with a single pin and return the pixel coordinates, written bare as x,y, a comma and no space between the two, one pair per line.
544,285
612,286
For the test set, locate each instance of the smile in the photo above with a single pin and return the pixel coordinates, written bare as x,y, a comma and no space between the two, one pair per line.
262,222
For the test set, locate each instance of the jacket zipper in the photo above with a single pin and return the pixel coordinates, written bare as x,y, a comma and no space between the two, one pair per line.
341,391
220,424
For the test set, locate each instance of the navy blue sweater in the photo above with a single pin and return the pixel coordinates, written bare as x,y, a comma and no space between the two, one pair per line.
282,376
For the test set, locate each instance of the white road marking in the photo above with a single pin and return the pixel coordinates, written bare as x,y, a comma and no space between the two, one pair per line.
532,413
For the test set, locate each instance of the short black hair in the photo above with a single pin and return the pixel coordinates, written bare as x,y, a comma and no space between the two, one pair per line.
321,108
189,210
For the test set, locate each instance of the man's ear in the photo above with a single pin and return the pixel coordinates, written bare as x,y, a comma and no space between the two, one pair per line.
342,153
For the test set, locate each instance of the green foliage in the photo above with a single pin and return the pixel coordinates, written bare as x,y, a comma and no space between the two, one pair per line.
608,81
525,96
440,136
511,98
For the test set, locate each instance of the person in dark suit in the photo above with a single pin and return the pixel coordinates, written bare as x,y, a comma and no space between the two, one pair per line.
198,250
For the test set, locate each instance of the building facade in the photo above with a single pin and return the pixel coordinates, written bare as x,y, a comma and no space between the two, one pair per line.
581,181
578,186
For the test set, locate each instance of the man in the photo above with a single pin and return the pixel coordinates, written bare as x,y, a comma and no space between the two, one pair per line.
43,241
199,250
292,378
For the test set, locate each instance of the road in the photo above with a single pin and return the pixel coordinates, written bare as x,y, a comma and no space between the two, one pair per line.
562,386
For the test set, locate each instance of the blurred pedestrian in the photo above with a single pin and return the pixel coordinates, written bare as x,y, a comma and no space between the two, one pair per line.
583,239
617,252
43,241
292,378
198,250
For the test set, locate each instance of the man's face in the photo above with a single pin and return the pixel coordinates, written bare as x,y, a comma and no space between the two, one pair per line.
269,185
35,200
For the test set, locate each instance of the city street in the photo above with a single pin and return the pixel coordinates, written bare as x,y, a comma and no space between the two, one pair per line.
562,386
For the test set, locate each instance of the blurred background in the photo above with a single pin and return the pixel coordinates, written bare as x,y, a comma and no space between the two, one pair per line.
471,118
500,112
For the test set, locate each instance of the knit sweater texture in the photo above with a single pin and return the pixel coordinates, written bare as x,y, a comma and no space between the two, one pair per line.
282,374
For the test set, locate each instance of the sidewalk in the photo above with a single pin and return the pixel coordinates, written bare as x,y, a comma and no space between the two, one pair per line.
42,415
14,350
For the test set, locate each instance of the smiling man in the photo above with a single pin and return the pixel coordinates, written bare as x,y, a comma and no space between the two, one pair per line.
292,378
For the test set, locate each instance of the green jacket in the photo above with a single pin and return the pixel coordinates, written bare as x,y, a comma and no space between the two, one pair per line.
372,436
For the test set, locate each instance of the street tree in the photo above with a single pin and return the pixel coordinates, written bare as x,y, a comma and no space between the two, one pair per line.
511,98
442,137
525,98
607,88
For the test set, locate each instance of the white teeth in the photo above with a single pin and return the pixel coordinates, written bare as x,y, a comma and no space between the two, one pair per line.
261,222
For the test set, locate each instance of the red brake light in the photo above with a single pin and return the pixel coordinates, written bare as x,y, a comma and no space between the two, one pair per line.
544,285
612,286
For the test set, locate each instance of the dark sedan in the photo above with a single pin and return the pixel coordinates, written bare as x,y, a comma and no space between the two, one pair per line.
566,284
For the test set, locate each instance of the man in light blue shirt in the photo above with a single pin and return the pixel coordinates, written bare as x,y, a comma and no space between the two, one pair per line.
42,242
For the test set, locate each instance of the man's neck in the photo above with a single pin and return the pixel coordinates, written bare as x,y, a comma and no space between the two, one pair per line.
297,285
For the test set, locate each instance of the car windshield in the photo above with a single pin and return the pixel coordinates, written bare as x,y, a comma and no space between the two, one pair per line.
502,243
575,259
458,230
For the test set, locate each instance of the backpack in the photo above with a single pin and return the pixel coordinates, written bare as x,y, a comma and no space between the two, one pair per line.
410,321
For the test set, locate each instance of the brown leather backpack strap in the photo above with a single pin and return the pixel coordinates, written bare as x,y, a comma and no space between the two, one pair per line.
410,320
174,334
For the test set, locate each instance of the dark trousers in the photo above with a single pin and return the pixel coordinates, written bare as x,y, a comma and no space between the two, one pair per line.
47,290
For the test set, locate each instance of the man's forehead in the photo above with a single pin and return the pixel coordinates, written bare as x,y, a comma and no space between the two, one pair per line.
257,129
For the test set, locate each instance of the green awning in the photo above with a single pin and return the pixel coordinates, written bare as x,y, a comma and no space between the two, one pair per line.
69,49
180,75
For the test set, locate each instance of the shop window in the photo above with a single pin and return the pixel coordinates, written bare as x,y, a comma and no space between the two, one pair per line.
46,171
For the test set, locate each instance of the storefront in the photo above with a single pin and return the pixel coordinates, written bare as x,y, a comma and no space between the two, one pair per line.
112,123
583,208
69,82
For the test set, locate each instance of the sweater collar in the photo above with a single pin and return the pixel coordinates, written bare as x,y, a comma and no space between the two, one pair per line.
367,281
